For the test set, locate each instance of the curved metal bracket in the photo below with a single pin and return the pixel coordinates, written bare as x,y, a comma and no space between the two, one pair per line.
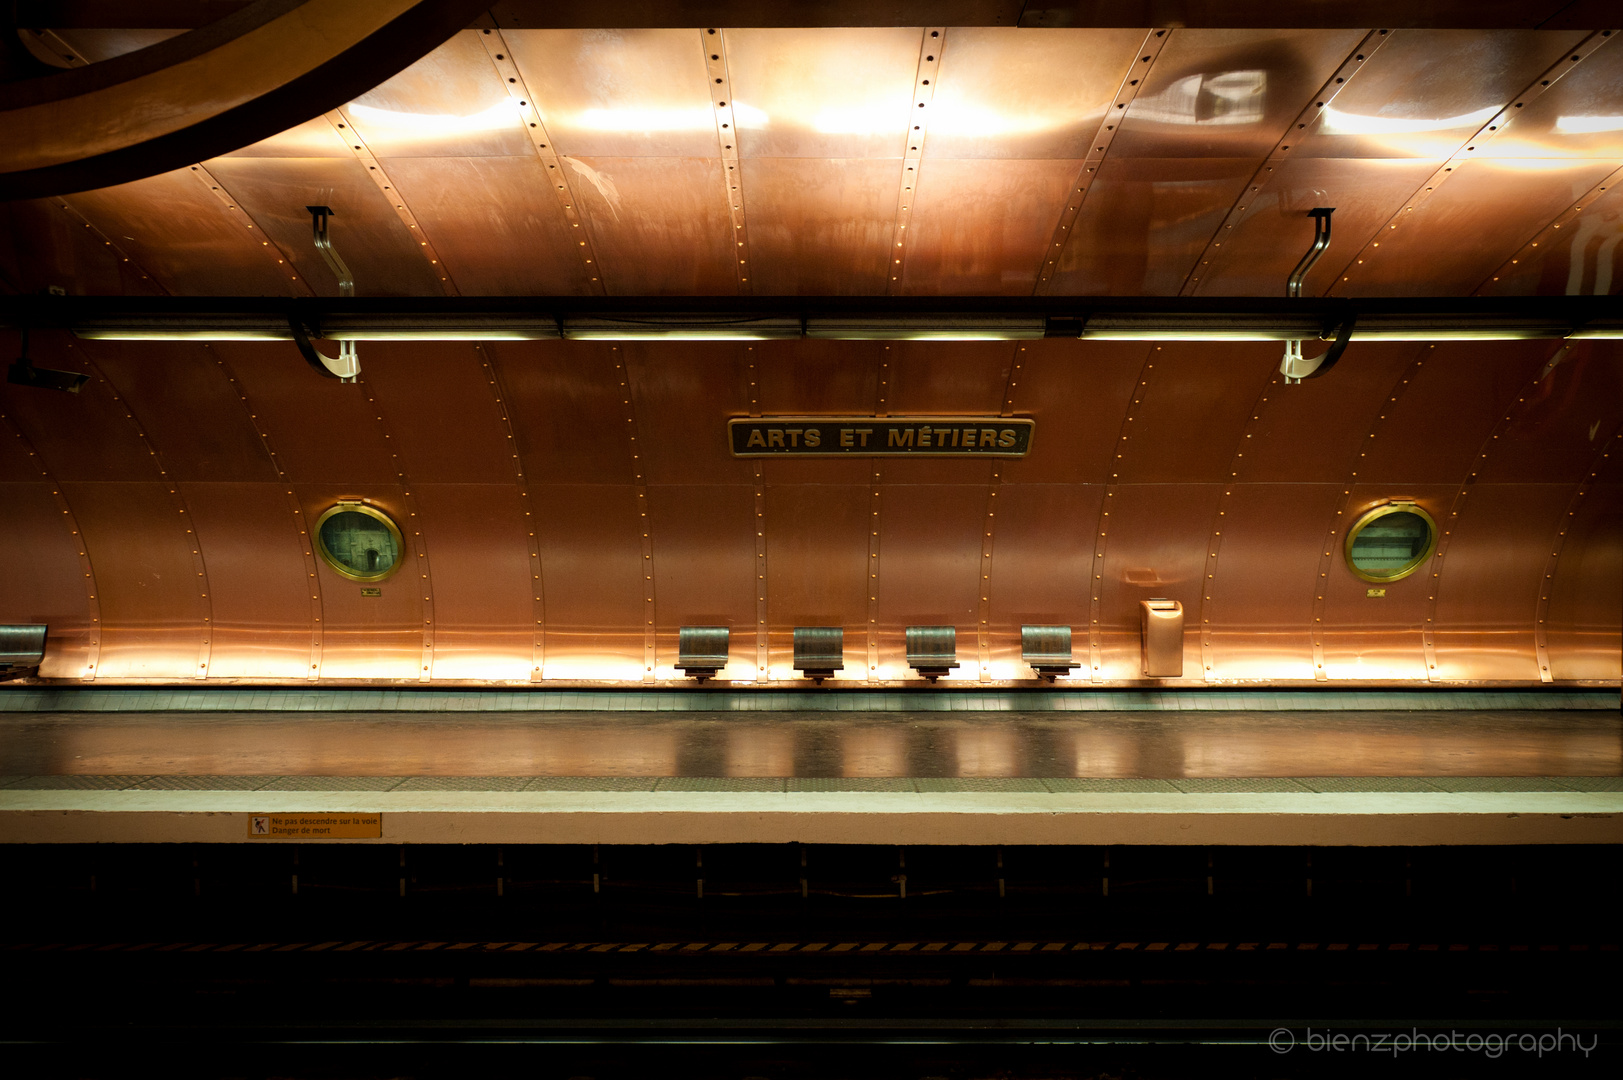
346,365
1321,240
1296,367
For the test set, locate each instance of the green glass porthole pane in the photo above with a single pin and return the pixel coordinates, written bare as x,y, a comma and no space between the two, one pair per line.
359,542
1390,542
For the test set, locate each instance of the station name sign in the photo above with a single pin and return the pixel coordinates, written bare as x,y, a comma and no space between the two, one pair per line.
887,436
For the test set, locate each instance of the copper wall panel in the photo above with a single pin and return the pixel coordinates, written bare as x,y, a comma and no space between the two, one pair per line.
1582,623
369,637
1315,430
1258,621
186,405
1584,258
948,378
930,568
683,394
823,93
83,436
1456,240
1042,551
40,576
1008,93
376,245
591,563
1258,255
1380,637
1575,118
495,224
820,227
1228,93
1194,403
567,409
816,378
982,226
817,568
320,430
259,592
315,138
1077,391
1563,419
1154,547
619,93
152,607
660,226
440,407
479,550
1427,91
1145,223
704,568
44,244
1448,411
1491,577
451,103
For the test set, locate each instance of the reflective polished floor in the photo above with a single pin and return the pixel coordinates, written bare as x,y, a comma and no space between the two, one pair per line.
1153,745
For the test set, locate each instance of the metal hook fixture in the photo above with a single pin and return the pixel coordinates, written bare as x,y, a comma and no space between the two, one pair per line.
1296,367
24,373
346,365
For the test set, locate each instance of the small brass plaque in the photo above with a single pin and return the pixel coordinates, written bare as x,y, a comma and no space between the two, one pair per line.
1374,594
889,436
371,592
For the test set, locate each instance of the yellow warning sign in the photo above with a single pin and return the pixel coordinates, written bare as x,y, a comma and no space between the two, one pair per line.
314,826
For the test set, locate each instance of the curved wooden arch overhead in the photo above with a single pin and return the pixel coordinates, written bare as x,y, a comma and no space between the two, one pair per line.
259,70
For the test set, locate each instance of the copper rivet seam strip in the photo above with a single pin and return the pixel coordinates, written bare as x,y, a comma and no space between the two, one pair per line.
1137,72
537,581
535,128
260,238
714,43
1095,570
1334,85
106,241
412,530
646,566
1468,149
92,605
924,83
1436,567
1214,543
1334,537
983,628
881,408
353,139
763,670
1541,640
1547,234
177,503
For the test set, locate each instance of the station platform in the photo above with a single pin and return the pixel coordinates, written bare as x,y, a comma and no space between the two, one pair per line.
942,767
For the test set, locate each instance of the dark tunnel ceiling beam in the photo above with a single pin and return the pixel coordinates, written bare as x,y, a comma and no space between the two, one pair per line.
637,14
877,318
261,69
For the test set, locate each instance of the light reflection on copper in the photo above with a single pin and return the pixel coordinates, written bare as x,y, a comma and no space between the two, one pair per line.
874,751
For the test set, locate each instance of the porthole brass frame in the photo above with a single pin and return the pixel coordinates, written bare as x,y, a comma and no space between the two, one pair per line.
1377,513
372,512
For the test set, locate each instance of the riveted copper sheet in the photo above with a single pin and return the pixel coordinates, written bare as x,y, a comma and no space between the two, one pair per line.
1259,620
1077,392
591,553
568,409
1583,631
1154,547
1187,422
259,588
816,567
42,243
1561,420
1582,258
1041,556
56,425
820,226
705,567
929,565
1575,118
1491,579
1227,93
683,394
443,418
480,558
40,576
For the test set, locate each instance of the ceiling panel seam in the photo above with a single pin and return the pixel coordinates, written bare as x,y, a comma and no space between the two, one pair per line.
1577,271
713,41
1132,82
1095,568
538,655
1541,615
932,41
1467,149
346,130
269,248
1277,157
546,151
107,241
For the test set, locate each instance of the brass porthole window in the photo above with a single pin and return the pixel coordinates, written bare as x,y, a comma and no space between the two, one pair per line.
1390,542
359,541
